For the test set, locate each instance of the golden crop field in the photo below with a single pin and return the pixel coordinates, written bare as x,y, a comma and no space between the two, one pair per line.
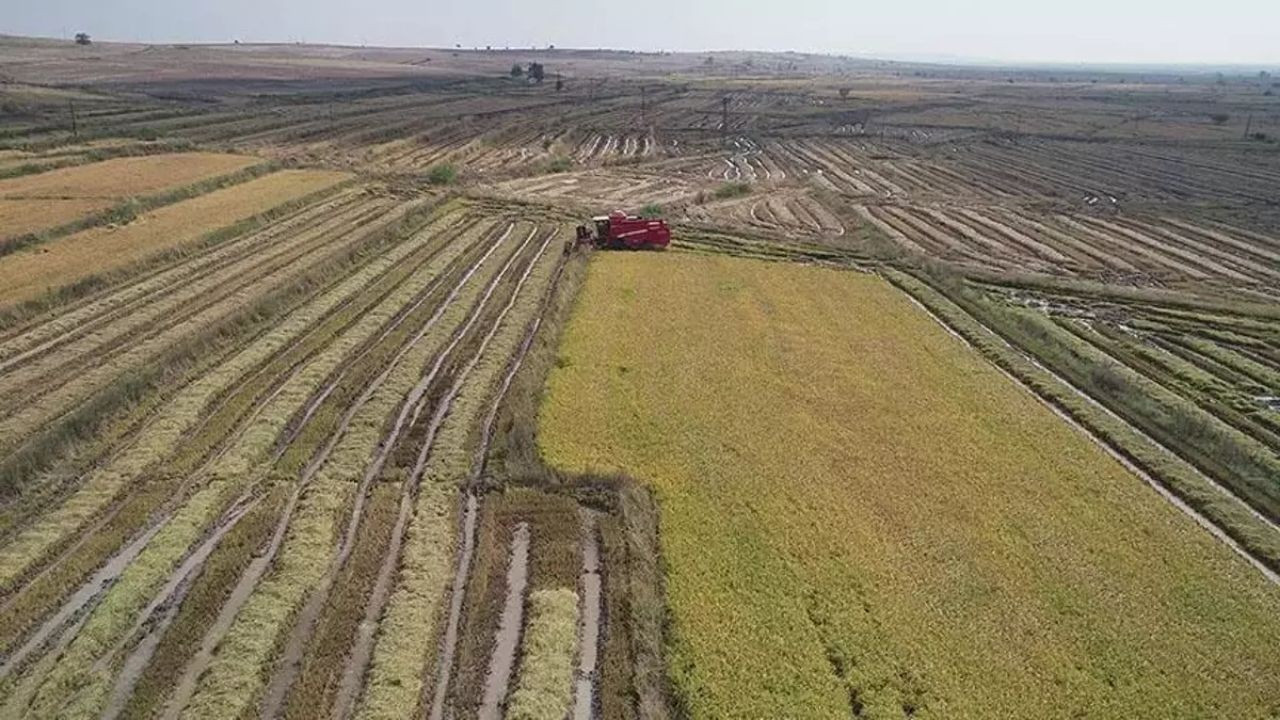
29,273
859,514
24,216
125,176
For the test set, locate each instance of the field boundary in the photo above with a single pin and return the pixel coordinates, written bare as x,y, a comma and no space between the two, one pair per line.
1233,532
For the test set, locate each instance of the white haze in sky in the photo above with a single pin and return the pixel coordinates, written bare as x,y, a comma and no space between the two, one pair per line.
1065,31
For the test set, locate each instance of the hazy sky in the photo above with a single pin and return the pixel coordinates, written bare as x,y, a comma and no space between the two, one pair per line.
1132,31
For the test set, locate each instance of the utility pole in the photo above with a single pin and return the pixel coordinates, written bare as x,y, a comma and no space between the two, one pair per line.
1248,125
644,106
75,127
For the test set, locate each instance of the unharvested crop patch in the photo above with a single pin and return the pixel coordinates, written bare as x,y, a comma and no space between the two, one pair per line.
27,274
124,177
860,516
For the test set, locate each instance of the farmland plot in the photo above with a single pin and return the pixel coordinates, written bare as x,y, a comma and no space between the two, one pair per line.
27,274
279,533
47,200
929,541
122,177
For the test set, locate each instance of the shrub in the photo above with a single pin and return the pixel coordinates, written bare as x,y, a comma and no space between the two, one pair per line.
558,164
732,190
652,210
443,174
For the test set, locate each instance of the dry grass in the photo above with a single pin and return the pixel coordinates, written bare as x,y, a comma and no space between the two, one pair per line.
124,177
26,275
544,687
861,515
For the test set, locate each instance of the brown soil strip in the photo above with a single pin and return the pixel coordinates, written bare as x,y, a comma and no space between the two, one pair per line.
449,646
510,624
79,600
236,279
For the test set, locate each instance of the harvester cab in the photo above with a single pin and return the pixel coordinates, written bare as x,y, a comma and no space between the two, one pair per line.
620,231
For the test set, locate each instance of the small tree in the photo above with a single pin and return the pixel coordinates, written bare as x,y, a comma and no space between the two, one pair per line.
536,73
1219,118
844,93
83,39
516,70
560,84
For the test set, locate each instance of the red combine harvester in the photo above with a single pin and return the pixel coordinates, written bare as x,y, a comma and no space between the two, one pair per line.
620,231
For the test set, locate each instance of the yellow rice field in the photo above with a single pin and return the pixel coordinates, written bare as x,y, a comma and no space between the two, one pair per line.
24,216
119,178
860,516
29,273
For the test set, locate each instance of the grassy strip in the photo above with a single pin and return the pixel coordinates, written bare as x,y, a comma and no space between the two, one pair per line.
127,211
177,417
43,541
554,563
444,256
231,474
166,326
394,683
1092,291
544,686
1207,391
645,610
31,309
200,607
1255,371
73,443
616,661
76,429
1176,474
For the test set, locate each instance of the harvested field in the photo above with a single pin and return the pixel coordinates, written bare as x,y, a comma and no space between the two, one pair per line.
28,274
861,543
